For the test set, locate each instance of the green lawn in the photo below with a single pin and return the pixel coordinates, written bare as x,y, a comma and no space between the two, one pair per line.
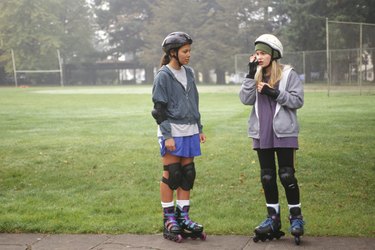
86,160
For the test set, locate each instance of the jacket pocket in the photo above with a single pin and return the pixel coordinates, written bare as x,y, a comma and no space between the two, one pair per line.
253,122
285,122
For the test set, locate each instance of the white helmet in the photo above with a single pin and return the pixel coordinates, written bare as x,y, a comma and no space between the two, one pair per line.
271,41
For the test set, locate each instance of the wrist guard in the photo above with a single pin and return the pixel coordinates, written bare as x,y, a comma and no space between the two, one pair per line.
271,92
252,69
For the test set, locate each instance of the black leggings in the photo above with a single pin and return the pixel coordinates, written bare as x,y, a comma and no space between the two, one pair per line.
285,159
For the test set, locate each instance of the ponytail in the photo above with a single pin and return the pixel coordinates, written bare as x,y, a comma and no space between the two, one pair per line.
165,59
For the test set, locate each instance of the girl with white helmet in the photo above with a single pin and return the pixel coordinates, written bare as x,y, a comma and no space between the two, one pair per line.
275,92
176,111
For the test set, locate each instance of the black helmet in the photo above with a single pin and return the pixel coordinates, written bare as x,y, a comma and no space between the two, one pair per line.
175,40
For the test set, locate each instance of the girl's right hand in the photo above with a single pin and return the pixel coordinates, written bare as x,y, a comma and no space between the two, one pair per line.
253,64
170,144
252,58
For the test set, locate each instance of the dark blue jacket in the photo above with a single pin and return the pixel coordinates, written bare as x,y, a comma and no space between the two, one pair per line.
182,105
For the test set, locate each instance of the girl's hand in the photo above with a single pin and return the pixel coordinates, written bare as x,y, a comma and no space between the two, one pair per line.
260,86
202,138
170,144
253,64
252,58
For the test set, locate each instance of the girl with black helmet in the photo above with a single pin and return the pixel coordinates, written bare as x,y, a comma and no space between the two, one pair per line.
176,111
276,92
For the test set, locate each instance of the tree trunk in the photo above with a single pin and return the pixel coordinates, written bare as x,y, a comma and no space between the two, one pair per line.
197,80
220,76
149,74
206,77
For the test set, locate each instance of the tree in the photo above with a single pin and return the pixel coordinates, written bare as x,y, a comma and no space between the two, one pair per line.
28,28
166,17
123,22
75,20
259,17
36,29
306,29
213,29
219,35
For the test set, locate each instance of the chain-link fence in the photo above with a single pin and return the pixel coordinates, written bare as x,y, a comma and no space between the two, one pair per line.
347,74
350,51
310,65
347,63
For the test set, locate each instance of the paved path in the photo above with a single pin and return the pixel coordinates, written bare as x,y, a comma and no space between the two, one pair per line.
130,241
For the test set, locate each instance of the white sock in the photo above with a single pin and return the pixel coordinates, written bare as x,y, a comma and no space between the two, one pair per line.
292,206
167,204
275,206
182,203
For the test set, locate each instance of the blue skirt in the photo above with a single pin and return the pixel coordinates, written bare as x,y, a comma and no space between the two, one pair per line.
186,146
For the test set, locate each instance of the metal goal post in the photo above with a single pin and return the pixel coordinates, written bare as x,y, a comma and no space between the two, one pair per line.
18,71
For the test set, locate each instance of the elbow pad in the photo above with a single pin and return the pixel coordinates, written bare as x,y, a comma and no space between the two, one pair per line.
159,112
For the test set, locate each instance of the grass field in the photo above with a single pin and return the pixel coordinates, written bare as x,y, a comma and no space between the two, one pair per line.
85,160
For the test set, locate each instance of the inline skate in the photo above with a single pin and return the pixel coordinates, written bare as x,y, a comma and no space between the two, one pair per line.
296,224
269,228
189,228
171,229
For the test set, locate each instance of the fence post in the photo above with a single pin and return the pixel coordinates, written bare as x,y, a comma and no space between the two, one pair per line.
360,59
304,64
14,68
328,61
61,69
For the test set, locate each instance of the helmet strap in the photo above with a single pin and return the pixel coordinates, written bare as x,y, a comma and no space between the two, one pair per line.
272,59
176,57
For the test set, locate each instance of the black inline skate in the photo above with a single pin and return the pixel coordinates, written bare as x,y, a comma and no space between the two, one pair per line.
269,228
296,224
171,229
189,228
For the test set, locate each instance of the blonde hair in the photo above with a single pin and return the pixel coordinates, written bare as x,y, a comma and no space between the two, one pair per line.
276,73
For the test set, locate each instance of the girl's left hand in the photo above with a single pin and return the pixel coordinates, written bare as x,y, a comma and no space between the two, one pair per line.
202,138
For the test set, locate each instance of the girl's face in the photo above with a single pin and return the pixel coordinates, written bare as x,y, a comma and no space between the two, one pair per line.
263,58
184,54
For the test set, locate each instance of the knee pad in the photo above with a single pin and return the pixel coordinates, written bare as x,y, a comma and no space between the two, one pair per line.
268,177
287,177
175,175
188,176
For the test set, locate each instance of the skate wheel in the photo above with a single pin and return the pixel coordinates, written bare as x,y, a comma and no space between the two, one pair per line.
297,240
203,236
279,235
255,239
178,238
